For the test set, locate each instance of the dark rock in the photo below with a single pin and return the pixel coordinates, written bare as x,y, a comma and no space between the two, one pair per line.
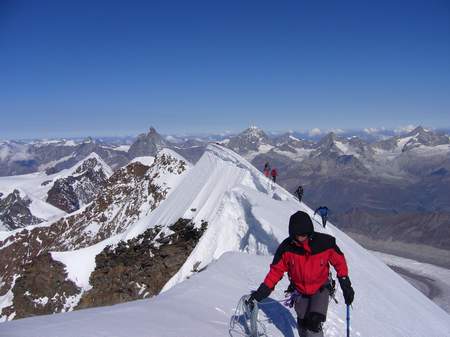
63,196
15,212
140,267
70,193
42,289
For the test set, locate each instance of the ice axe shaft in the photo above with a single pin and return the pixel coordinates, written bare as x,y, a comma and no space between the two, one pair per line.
348,320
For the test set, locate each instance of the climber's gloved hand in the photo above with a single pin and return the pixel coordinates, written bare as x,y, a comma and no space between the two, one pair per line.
261,293
346,286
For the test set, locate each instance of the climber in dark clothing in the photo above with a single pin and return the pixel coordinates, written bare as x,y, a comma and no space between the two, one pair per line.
267,169
323,212
299,193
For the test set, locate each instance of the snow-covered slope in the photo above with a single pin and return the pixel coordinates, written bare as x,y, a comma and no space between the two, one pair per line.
244,210
246,213
202,306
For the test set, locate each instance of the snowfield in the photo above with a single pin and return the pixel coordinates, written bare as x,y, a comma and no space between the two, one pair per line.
247,218
202,306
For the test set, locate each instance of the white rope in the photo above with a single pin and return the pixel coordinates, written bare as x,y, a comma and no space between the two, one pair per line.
245,320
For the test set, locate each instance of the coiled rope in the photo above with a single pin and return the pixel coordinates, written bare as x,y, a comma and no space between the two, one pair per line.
245,320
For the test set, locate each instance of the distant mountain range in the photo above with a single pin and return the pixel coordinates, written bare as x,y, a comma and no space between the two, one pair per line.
370,179
390,190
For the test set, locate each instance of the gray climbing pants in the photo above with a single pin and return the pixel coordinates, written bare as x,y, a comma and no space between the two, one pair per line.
311,313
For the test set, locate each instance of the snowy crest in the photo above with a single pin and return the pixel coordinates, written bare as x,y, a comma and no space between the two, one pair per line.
92,162
244,210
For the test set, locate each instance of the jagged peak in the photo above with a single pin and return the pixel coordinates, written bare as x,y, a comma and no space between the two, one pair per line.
253,129
152,135
99,164
413,132
328,139
254,132
420,130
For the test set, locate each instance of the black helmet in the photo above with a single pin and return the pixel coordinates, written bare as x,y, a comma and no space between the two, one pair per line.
300,224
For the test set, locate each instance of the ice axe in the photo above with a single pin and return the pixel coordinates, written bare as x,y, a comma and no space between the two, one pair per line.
348,320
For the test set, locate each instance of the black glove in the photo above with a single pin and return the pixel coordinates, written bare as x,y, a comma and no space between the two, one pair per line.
290,289
261,293
346,286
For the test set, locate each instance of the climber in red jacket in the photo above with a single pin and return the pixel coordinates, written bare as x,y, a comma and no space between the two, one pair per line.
274,174
306,256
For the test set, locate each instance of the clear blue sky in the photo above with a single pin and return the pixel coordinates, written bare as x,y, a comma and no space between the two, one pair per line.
116,67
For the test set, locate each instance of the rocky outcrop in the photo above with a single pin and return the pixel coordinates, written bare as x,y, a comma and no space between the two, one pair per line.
42,289
63,196
15,212
140,267
80,188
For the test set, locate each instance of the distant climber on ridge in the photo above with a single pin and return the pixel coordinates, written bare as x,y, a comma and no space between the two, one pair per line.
306,256
274,174
299,193
266,169
323,212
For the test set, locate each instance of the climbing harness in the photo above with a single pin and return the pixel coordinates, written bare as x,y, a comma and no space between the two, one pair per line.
291,297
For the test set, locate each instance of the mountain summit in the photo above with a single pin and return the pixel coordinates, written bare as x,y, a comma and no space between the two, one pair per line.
248,140
147,144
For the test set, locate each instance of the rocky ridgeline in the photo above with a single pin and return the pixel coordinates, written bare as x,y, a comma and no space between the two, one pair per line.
74,191
15,212
135,269
140,267
42,289
129,193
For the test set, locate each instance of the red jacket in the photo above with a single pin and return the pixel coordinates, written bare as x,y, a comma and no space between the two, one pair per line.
274,173
307,263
